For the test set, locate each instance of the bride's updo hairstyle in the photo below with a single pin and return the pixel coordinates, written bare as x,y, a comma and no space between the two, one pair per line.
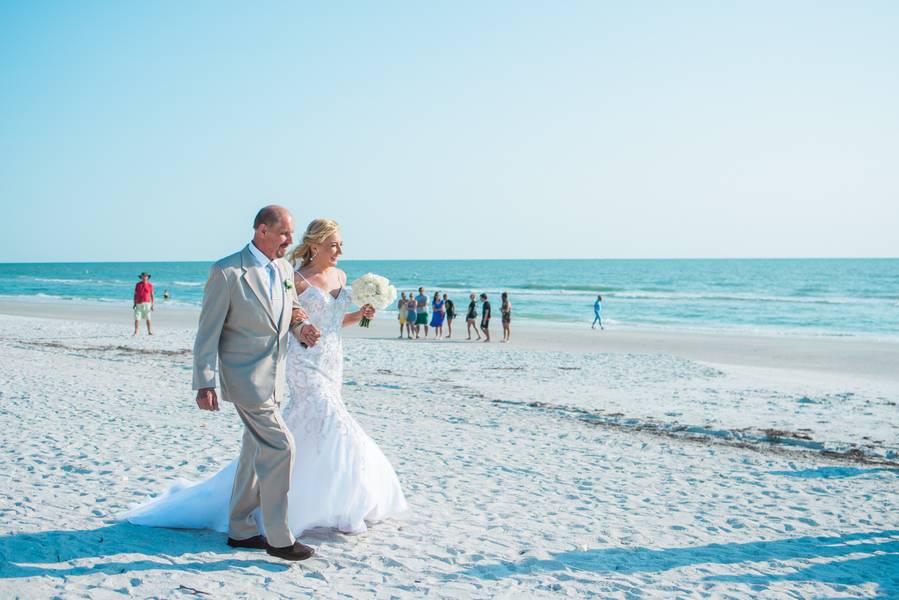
317,232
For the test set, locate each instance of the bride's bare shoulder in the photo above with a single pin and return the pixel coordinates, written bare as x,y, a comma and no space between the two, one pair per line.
341,276
300,281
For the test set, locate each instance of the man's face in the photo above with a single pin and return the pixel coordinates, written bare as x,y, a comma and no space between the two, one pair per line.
275,240
144,278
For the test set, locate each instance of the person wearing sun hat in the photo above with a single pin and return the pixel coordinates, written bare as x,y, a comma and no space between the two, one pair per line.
143,302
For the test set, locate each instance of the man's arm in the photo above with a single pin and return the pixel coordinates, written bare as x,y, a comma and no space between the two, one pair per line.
216,301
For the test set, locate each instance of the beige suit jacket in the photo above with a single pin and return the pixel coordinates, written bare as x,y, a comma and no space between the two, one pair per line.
239,330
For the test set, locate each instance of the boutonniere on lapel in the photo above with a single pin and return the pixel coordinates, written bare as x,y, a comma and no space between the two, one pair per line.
288,285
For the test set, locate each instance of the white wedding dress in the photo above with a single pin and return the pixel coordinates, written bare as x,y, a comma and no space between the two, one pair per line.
340,477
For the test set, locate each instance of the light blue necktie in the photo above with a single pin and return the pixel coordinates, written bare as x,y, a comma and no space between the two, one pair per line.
271,280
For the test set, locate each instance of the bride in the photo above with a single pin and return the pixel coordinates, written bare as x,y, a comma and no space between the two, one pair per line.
340,477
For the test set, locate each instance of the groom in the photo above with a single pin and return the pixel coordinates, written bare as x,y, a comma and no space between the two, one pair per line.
249,308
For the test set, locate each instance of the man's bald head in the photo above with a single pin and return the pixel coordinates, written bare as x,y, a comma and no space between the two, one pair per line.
273,231
271,215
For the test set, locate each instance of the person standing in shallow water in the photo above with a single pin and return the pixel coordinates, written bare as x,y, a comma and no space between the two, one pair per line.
471,317
597,312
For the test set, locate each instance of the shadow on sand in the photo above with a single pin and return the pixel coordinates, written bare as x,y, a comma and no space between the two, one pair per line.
881,568
45,553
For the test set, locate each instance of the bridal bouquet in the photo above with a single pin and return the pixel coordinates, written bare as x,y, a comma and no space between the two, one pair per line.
375,290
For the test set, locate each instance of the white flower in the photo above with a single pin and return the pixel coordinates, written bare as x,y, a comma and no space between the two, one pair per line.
373,289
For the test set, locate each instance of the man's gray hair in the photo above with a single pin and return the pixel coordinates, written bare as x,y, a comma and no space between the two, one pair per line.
270,215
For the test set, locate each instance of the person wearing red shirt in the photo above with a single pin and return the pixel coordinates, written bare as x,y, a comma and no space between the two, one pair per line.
143,302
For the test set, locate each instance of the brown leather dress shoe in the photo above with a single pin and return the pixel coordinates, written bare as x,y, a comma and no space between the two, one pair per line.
296,552
257,542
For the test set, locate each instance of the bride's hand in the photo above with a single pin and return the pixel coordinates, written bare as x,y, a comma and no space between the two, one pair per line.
368,311
309,335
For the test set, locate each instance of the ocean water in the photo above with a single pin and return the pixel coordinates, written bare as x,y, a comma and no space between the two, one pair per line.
834,297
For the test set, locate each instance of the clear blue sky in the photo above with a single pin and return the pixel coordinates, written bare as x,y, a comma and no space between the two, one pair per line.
154,130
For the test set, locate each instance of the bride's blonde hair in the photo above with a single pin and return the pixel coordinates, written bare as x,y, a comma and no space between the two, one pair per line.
317,232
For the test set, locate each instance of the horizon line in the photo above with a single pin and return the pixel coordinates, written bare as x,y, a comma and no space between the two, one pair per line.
78,262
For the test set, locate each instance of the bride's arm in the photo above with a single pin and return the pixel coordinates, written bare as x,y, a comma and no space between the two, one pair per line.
307,333
351,318
298,314
354,317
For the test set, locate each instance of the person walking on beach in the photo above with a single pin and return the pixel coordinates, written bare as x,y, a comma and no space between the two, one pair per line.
472,316
485,317
438,312
144,302
450,308
421,307
250,307
401,313
337,476
506,310
411,315
597,312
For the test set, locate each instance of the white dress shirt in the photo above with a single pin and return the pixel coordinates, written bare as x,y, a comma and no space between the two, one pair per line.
272,275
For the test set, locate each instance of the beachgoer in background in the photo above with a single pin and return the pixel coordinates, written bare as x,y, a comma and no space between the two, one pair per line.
450,308
485,317
506,310
597,312
144,302
411,315
401,313
438,312
471,316
421,318
166,295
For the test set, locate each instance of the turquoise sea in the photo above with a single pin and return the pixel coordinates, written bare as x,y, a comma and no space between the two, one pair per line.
838,297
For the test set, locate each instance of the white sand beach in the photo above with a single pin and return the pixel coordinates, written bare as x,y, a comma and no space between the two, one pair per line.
614,464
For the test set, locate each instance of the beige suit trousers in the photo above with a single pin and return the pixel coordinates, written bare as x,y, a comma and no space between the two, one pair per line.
263,475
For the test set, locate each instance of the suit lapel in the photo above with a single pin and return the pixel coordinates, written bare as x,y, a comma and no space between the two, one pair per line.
252,274
285,277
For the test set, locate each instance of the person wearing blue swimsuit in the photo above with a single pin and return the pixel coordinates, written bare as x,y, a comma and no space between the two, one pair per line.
597,312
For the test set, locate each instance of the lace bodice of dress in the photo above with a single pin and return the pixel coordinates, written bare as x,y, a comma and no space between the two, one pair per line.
326,313
315,375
